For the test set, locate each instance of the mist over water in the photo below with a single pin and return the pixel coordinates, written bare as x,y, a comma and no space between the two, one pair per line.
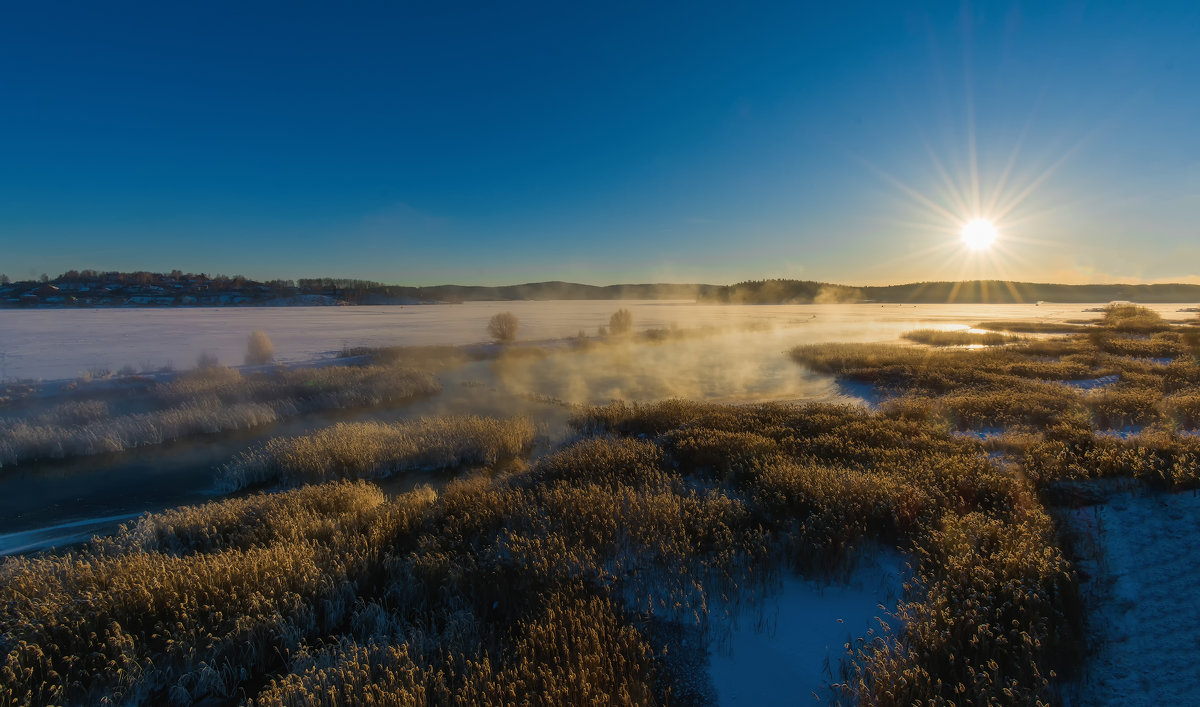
730,366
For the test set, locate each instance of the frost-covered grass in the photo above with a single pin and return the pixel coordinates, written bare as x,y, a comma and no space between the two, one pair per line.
545,583
1132,319
365,450
989,568
22,442
1022,384
1131,414
207,401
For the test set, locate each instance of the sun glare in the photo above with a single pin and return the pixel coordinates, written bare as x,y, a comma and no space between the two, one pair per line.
979,234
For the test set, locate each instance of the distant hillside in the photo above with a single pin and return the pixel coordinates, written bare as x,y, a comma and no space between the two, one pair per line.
966,292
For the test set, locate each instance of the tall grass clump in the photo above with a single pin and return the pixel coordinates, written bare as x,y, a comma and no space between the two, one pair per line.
1132,319
939,337
362,450
996,610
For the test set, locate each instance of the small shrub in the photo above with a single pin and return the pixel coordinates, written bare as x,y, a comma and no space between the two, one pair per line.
207,360
503,327
259,349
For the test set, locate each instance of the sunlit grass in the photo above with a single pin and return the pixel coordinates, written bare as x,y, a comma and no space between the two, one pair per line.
1032,327
363,450
940,337
1116,376
1132,318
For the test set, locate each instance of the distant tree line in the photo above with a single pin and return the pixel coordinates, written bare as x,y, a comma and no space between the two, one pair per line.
783,292
962,292
769,291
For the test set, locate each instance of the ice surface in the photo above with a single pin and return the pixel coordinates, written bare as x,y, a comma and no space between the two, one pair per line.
64,343
791,653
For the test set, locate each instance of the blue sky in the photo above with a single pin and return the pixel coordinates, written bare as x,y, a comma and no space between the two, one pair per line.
511,142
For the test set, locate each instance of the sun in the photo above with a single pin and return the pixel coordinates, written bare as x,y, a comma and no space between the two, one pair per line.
979,234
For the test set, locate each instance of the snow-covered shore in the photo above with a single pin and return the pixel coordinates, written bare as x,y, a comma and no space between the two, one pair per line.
1140,567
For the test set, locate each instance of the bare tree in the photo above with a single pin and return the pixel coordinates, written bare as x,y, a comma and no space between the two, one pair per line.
503,327
621,322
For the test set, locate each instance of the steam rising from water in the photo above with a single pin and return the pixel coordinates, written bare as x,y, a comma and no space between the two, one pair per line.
729,366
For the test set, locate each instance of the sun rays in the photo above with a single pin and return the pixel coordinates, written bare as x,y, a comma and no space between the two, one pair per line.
970,218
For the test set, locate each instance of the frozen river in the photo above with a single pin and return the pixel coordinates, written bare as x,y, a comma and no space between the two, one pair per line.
51,344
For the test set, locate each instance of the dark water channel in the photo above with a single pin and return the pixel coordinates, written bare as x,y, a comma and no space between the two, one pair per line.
57,503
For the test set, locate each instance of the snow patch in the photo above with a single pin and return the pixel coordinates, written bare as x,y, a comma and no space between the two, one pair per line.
860,392
1091,383
1140,574
1121,432
981,434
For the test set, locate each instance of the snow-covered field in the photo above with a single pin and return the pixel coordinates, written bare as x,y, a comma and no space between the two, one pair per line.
788,651
1143,571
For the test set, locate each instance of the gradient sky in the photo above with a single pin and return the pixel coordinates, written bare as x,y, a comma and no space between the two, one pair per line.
438,142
